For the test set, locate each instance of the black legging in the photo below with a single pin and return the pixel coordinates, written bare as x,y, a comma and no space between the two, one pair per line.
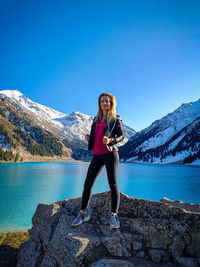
111,160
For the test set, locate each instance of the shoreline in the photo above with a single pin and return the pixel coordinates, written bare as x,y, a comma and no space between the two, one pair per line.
20,229
172,163
15,231
188,206
178,163
56,160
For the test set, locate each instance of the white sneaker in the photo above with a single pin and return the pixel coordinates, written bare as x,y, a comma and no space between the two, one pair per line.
81,218
114,221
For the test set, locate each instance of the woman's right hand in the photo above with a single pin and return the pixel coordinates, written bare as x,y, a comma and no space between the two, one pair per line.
87,137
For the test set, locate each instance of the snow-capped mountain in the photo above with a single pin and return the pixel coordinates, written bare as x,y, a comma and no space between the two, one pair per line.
75,125
23,137
39,110
72,127
173,138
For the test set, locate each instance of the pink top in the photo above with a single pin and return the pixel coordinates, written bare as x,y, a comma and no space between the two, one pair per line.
99,148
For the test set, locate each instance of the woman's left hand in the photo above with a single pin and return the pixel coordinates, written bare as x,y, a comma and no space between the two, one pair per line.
106,140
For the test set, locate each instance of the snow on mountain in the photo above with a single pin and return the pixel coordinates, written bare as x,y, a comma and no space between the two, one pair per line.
77,124
196,162
175,137
39,110
74,125
170,124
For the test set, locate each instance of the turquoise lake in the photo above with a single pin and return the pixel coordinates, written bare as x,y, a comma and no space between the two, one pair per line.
24,185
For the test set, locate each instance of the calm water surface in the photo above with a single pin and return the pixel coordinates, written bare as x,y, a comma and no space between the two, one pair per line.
24,185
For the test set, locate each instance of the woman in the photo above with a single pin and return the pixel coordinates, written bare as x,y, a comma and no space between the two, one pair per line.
106,131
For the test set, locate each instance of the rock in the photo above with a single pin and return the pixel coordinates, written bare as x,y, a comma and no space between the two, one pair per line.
137,246
149,230
141,254
155,255
178,203
8,256
158,255
187,262
112,263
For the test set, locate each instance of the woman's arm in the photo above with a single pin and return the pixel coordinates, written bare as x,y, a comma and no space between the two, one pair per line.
118,132
91,135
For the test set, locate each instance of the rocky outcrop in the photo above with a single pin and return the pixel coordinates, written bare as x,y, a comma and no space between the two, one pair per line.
150,230
178,203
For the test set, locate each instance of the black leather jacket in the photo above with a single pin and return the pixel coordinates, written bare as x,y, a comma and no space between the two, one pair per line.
113,130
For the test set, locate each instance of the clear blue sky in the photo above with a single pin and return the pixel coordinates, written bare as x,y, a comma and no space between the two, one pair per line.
63,54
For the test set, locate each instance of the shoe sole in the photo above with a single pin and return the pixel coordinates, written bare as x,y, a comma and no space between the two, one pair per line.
115,227
77,224
111,227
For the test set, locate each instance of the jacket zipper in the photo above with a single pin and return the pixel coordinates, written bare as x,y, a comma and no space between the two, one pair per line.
112,129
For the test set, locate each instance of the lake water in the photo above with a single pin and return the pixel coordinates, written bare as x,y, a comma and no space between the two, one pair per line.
24,185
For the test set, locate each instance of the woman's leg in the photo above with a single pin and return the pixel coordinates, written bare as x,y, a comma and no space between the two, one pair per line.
112,163
94,169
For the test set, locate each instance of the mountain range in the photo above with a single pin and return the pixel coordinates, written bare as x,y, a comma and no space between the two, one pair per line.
29,129
175,138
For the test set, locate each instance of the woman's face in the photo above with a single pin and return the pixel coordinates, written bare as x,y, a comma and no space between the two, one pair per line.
105,103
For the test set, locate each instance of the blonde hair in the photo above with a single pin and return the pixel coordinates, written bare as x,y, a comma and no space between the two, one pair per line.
111,113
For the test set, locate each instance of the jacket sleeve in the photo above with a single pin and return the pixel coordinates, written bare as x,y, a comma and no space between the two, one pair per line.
119,132
91,140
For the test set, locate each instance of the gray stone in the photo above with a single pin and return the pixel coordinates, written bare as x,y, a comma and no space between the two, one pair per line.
178,203
155,255
187,262
112,263
141,254
137,246
166,232
48,261
159,255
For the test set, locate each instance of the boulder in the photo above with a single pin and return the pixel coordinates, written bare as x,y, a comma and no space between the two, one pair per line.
149,230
